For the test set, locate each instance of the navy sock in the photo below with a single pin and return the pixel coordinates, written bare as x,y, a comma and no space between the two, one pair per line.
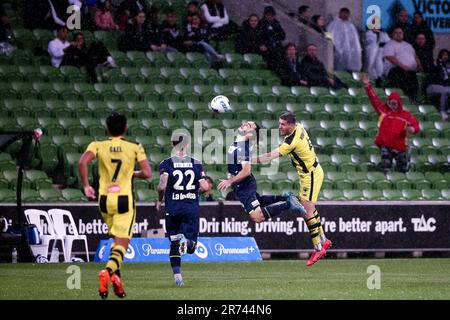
175,258
268,200
275,209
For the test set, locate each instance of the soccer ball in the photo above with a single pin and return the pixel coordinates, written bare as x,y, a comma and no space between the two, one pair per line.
220,104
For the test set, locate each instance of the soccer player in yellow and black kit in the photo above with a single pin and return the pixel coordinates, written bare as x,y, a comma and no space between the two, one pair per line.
116,158
298,146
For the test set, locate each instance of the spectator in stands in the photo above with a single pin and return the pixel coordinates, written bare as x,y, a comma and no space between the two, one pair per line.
424,52
154,30
249,39
419,25
318,24
207,196
103,17
191,8
314,73
304,15
289,69
5,35
196,38
347,47
142,36
136,35
395,124
439,82
170,33
56,47
135,6
272,34
123,15
401,64
402,23
215,15
78,55
376,39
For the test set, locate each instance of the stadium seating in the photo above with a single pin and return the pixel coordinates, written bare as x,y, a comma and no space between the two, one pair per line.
162,92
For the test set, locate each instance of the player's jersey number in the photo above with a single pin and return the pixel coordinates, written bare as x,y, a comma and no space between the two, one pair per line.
118,163
179,175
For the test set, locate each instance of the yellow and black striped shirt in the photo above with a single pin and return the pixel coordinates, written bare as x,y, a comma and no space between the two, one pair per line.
300,149
116,161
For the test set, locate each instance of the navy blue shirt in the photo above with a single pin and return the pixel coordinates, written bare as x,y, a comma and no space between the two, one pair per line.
182,191
237,153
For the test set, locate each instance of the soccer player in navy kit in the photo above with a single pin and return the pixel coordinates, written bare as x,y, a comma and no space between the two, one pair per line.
259,208
181,180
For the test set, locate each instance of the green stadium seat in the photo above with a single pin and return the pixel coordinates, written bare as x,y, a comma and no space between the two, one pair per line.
50,195
231,76
210,76
235,60
29,195
197,60
38,179
254,61
373,195
191,76
177,59
393,194
428,194
353,195
339,180
156,59
409,194
445,194
333,195
7,195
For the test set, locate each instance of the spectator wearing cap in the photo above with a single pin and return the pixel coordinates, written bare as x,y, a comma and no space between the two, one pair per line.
272,35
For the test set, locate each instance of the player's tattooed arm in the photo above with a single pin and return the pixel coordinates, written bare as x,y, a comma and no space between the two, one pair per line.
163,178
267,157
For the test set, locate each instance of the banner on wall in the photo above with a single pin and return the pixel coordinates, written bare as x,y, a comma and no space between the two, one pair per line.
435,12
217,249
380,226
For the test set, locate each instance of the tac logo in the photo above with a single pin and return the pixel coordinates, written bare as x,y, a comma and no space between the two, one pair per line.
424,225
147,249
219,249
201,251
130,252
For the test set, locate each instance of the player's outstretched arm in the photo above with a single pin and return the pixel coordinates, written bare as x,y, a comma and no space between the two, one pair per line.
244,173
267,157
162,185
145,172
83,164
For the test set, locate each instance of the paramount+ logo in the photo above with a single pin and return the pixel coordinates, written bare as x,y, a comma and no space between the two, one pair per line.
424,225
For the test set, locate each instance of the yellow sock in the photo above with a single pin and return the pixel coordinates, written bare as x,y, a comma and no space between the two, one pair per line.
321,232
314,226
116,258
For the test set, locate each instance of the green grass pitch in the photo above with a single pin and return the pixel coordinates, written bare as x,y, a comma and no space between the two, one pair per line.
284,279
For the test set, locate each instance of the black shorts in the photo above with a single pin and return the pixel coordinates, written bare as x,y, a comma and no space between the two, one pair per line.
185,223
246,192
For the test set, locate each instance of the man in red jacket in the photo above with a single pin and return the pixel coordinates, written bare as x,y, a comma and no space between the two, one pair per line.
394,125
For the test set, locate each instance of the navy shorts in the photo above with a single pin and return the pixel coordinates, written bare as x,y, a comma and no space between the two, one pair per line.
246,192
185,223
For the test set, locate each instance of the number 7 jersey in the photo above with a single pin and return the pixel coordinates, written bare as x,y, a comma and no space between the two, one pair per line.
116,158
183,184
